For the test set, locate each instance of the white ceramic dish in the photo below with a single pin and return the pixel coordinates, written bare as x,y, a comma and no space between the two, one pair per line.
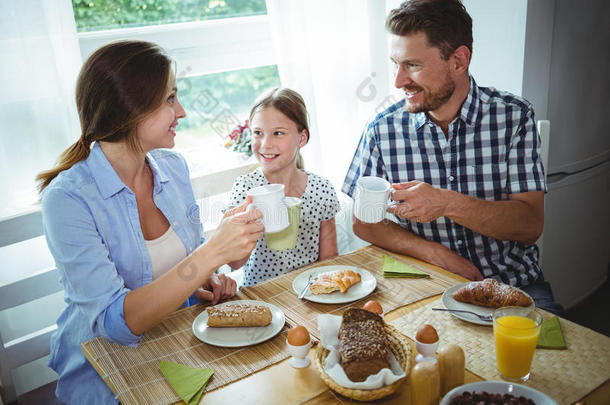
450,303
360,290
238,337
501,387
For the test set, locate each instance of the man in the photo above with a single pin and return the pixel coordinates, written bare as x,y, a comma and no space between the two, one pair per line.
464,160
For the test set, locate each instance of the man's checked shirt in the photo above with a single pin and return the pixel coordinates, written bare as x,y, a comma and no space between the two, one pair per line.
493,150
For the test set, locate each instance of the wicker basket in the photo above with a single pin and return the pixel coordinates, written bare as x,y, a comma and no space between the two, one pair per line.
402,351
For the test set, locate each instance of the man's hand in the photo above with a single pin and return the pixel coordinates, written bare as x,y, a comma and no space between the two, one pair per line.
421,202
216,288
451,261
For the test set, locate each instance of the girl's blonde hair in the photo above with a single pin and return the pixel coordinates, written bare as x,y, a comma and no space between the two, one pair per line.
117,87
288,102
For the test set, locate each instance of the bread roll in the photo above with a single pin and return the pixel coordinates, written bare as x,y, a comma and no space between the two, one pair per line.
362,344
237,315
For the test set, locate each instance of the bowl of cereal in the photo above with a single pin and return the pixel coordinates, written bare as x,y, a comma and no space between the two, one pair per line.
494,392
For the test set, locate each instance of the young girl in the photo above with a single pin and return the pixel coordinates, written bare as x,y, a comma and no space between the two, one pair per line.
280,129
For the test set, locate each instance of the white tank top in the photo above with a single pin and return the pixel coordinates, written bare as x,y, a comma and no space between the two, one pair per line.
165,252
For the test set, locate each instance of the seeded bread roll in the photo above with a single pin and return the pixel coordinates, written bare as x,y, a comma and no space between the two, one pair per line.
236,315
362,344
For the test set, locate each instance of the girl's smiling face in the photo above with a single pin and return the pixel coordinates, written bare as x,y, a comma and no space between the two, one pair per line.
276,139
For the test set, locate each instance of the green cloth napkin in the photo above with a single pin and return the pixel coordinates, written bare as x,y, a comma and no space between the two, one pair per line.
551,336
394,268
189,383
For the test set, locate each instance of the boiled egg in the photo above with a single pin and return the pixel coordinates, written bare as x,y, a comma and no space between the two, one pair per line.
426,334
373,306
298,336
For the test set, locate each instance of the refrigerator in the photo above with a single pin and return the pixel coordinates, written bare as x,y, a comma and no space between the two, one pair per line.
576,241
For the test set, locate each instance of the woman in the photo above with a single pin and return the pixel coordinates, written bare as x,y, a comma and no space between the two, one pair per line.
120,217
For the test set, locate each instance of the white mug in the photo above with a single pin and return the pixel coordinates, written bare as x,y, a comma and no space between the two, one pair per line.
371,199
269,200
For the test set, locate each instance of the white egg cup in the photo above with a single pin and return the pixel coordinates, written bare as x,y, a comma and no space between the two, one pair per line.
427,351
299,357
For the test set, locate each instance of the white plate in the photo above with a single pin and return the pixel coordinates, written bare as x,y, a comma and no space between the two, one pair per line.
501,387
450,303
238,337
359,290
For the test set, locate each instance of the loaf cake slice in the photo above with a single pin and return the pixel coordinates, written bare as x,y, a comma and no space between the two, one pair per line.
236,315
362,344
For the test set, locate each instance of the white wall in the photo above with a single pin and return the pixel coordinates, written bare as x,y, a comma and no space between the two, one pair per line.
498,43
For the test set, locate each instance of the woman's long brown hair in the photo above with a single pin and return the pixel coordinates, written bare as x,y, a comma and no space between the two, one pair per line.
118,85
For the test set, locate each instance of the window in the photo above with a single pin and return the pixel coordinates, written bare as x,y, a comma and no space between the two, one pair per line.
224,57
223,53
95,15
215,104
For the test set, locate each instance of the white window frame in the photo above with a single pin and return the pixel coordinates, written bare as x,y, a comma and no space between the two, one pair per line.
199,47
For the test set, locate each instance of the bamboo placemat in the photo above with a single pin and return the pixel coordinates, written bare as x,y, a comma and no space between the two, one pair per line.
133,373
565,375
390,293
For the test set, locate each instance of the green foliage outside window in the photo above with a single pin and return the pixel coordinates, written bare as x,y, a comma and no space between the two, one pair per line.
207,98
93,15
214,103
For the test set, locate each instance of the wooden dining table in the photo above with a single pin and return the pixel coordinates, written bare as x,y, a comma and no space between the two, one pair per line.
279,383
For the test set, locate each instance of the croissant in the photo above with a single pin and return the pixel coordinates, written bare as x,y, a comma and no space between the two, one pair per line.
338,280
491,293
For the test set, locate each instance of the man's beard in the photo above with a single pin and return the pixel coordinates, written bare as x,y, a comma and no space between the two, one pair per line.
432,100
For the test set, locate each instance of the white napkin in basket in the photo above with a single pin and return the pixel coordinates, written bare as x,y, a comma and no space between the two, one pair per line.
328,325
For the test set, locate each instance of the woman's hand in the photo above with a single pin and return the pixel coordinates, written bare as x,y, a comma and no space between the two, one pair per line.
218,287
237,233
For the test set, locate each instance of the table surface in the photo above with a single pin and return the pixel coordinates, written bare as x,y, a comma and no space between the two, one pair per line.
283,384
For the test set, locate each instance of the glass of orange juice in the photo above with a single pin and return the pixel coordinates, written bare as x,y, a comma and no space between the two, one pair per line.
516,331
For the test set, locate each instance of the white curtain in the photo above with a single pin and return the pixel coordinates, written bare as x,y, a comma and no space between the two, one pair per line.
335,53
38,120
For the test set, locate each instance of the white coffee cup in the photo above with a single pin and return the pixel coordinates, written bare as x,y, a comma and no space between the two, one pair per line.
371,199
269,200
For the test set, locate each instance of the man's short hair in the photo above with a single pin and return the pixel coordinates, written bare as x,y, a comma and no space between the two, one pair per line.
446,23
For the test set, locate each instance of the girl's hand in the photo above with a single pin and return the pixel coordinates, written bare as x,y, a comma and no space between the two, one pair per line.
237,233
217,287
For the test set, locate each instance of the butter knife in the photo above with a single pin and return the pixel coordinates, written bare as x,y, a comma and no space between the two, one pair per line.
486,318
304,291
